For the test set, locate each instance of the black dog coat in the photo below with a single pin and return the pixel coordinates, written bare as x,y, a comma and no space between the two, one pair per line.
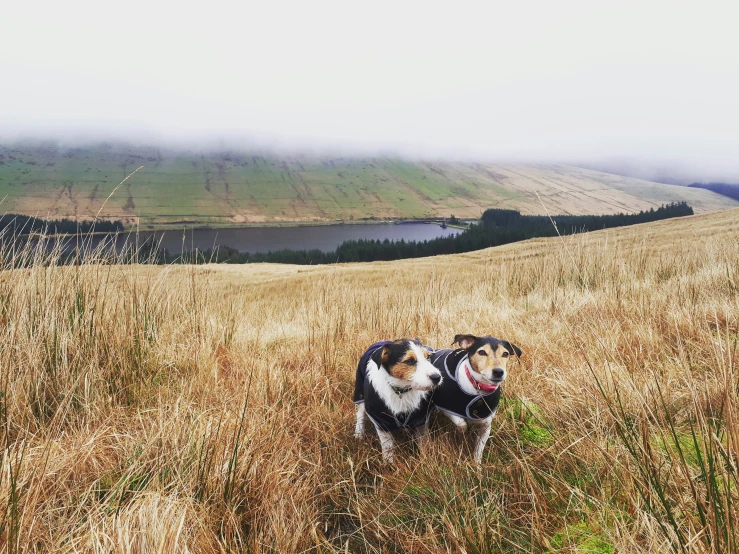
375,408
449,397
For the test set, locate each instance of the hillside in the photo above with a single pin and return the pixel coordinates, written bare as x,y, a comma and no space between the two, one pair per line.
231,187
208,408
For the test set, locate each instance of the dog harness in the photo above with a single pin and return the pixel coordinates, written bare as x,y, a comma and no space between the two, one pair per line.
450,397
375,408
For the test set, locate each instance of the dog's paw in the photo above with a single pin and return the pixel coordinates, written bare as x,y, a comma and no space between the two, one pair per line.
461,427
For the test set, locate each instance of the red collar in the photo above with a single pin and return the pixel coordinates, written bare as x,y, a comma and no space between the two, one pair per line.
482,387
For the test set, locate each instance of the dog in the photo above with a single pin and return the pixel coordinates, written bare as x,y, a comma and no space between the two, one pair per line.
471,383
392,389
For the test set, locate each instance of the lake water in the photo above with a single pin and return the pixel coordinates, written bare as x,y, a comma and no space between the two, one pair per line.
264,239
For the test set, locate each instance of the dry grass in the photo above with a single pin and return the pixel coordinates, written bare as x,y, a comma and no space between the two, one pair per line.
207,409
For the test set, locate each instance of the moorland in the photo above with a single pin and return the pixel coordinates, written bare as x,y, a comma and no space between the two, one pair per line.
208,408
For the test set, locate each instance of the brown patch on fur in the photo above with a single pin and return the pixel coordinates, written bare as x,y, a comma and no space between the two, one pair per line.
403,371
385,356
494,359
406,367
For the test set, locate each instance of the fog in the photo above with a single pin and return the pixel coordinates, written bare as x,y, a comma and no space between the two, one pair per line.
646,87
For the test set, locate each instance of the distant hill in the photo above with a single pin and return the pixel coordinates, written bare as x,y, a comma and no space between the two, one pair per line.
233,187
726,189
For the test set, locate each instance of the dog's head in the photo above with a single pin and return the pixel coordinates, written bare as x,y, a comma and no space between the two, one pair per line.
408,361
488,357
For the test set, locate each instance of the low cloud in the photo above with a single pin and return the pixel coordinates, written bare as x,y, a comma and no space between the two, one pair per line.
648,89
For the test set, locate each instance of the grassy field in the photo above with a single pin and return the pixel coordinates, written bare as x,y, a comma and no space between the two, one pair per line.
236,188
208,408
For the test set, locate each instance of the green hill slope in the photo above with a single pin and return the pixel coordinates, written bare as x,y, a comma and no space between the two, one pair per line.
231,187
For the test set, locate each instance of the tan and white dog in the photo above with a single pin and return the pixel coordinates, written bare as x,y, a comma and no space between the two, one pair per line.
471,378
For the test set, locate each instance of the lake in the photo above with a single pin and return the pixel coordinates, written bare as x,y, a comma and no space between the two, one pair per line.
264,239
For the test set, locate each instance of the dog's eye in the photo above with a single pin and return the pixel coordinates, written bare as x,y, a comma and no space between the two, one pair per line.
482,353
506,354
410,361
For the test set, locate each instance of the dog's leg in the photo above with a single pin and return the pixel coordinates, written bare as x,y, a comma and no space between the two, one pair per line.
422,437
483,433
387,443
459,422
361,419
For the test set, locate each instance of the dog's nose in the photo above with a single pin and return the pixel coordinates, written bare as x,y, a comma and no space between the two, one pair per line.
435,379
498,373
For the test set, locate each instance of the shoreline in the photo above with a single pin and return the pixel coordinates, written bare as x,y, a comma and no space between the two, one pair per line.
183,226
199,226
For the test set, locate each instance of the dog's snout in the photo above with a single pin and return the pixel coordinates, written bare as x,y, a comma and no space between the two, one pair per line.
498,373
435,378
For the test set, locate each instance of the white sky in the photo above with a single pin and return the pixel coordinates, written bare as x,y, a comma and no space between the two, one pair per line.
649,81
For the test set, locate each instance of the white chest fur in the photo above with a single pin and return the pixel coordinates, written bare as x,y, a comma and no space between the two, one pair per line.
383,384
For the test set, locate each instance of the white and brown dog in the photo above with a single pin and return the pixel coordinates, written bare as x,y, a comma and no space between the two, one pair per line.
470,390
392,390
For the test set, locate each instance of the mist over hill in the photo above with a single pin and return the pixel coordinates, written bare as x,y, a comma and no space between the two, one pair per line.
226,186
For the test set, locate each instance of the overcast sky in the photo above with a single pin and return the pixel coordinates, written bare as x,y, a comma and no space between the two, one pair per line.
654,83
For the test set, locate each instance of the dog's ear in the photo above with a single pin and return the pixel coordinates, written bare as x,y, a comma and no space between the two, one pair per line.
465,341
512,348
385,356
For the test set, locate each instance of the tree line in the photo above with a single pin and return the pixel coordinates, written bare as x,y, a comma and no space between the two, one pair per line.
17,225
496,227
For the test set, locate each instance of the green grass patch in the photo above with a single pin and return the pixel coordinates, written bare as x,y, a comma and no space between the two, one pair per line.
532,427
683,442
582,538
